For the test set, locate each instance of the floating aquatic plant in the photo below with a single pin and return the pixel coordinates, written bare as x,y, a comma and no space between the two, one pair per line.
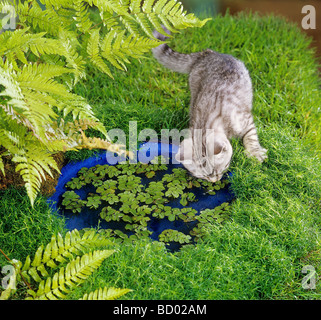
120,196
72,201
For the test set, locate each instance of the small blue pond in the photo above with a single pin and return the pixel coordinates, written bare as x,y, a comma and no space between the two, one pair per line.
90,218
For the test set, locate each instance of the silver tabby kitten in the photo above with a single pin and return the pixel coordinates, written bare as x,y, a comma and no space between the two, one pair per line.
221,103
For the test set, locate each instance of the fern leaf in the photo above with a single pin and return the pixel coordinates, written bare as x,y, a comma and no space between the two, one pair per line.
131,25
47,20
11,88
32,163
20,41
57,4
109,50
135,6
143,21
116,48
159,5
34,274
147,6
48,71
38,257
94,54
111,6
43,84
60,250
155,21
68,49
75,272
82,16
105,294
81,110
2,165
97,143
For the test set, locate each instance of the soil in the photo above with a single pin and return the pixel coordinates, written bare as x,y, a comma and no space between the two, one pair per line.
13,178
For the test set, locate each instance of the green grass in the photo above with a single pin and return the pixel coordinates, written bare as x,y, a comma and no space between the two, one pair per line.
283,70
22,228
275,224
258,254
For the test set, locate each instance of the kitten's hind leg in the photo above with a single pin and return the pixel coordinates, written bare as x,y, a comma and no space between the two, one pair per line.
252,145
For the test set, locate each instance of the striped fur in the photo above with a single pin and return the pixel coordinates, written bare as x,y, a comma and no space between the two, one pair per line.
221,101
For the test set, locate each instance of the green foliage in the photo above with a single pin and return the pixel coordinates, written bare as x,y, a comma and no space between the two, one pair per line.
105,294
72,201
124,198
170,235
72,259
208,217
46,56
273,228
75,272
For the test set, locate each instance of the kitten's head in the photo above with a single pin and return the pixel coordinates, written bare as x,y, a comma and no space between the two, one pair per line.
208,159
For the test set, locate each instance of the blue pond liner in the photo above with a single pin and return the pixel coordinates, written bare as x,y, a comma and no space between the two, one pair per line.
89,218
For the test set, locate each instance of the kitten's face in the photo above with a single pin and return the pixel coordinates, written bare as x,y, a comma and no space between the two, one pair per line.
208,162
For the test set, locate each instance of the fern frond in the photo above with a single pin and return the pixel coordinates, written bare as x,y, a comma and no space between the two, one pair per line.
75,61
2,165
11,87
148,6
12,137
135,6
168,12
32,158
97,143
82,16
48,71
107,49
116,48
48,20
58,4
130,25
94,52
34,92
75,272
110,6
60,250
144,23
81,110
42,84
33,161
105,294
20,42
62,38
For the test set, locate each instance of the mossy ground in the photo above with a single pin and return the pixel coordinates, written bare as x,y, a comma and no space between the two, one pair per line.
275,223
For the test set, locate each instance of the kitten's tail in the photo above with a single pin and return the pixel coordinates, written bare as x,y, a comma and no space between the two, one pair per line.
171,59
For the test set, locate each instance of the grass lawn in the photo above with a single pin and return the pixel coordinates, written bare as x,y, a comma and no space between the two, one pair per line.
274,228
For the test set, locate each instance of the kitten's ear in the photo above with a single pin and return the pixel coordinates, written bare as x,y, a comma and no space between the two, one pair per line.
214,146
219,147
185,152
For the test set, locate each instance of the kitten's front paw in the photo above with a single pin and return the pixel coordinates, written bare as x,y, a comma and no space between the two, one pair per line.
261,154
